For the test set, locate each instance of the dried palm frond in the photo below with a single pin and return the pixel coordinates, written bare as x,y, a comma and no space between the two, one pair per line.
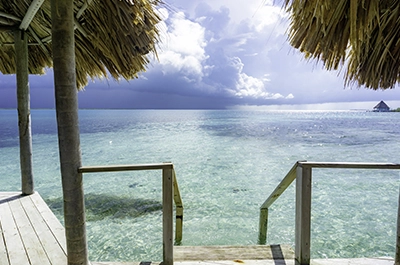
110,37
364,35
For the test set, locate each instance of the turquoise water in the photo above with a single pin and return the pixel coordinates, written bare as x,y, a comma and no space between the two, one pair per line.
227,163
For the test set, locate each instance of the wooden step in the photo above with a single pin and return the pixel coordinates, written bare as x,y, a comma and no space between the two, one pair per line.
255,252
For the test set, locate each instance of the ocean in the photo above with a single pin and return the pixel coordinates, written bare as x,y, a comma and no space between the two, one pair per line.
227,163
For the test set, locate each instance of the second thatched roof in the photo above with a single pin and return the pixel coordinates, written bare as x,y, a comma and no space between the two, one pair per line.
363,35
110,36
381,106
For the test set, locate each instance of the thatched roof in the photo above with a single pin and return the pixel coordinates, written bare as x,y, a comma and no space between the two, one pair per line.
362,35
111,36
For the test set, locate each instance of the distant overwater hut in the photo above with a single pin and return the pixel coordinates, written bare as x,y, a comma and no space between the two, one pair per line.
381,107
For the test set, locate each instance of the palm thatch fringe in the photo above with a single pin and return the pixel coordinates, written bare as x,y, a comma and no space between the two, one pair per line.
365,35
111,37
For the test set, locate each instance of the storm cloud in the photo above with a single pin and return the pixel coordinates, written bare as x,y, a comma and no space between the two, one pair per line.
214,54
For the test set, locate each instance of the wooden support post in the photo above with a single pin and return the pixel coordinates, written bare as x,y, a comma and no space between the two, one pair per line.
303,215
66,94
168,193
263,226
397,254
24,113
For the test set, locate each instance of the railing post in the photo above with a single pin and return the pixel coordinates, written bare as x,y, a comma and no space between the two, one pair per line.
167,191
303,215
397,255
24,112
263,226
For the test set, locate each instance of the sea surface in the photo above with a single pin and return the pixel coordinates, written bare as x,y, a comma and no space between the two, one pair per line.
227,163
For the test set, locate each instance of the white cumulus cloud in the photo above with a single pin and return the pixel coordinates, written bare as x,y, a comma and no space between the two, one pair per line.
182,48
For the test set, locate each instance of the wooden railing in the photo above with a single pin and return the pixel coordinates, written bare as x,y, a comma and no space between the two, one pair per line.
170,192
302,172
285,183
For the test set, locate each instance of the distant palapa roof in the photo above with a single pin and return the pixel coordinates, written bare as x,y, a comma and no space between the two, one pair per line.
381,105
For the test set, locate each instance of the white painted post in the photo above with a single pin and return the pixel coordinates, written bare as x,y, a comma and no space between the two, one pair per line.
303,215
167,190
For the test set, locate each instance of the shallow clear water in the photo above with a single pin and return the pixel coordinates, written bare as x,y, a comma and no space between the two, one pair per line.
227,163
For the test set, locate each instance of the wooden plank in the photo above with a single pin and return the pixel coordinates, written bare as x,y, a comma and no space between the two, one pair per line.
8,193
92,169
355,261
30,13
360,165
124,263
5,196
208,262
53,223
13,243
257,252
50,244
3,251
33,247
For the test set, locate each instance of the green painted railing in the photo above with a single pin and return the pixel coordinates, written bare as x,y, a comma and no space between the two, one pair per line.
302,172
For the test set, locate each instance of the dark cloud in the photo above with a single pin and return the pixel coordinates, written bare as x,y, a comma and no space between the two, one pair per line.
41,91
149,98
8,98
214,54
7,82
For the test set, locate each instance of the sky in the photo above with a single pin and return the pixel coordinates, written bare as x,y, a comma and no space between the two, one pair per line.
218,54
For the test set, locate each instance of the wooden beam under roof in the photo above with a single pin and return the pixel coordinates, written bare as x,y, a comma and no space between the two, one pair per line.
30,14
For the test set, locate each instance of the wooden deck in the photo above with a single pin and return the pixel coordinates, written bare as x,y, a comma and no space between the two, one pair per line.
257,252
360,261
30,232
32,235
250,255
